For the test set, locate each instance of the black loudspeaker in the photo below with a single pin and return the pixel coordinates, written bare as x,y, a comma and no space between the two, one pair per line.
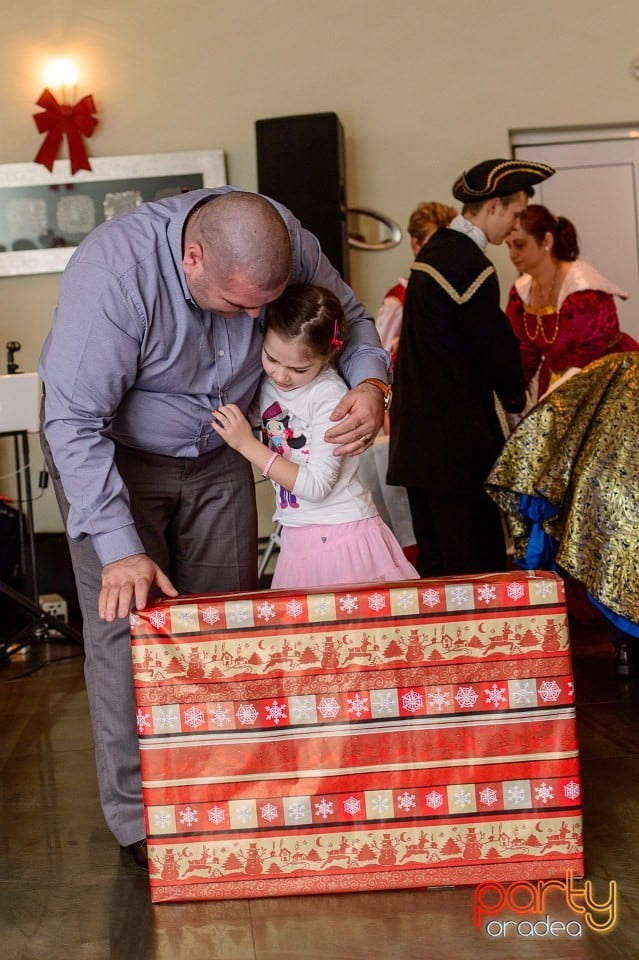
300,162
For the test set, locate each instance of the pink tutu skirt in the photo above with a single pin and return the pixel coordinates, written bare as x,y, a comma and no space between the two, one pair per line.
328,555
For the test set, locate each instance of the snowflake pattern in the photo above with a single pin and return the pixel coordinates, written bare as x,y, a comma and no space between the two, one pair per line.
188,816
352,806
549,690
406,801
211,615
431,598
244,814
219,716
158,619
488,796
184,617
324,808
466,697
143,720
358,705
377,602
294,608
434,799
161,819
194,717
384,701
296,811
134,620
438,699
487,593
246,714
276,712
544,588
321,606
515,591
328,707
405,600
412,701
461,596
572,790
515,796
239,615
544,792
380,805
215,815
269,812
302,709
495,695
265,611
523,693
348,604
167,718
462,798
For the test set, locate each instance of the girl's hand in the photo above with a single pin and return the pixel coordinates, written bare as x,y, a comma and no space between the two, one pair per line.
231,424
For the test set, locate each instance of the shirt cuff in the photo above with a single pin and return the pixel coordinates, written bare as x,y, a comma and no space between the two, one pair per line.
117,544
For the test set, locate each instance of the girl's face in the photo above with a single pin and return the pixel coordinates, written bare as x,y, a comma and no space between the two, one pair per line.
288,363
525,251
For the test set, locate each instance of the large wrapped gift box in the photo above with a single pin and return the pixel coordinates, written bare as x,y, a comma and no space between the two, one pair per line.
380,736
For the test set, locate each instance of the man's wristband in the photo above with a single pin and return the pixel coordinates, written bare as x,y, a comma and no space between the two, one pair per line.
385,388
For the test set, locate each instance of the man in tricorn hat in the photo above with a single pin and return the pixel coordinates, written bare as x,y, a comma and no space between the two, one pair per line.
456,352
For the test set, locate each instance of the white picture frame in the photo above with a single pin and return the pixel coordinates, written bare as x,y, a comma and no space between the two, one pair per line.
45,214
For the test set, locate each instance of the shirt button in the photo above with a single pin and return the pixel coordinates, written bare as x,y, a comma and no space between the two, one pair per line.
220,353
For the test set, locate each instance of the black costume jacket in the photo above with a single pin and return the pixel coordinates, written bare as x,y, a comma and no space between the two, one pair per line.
456,347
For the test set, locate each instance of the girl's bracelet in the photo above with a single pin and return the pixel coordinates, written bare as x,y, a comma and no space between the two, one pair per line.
269,464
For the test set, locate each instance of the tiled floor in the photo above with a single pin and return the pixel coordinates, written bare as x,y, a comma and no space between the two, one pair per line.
65,893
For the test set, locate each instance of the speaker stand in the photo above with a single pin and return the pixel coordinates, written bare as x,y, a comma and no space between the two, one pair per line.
40,627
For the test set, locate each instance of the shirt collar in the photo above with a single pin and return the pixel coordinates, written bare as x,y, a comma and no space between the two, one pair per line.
462,225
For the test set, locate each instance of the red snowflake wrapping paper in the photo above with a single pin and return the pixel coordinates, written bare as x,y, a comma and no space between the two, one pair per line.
419,733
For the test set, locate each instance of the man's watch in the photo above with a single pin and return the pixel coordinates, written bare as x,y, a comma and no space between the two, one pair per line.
386,389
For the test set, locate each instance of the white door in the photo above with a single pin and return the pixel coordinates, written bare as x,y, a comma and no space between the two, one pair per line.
597,187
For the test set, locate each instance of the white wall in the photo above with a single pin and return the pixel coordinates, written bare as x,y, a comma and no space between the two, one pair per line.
424,88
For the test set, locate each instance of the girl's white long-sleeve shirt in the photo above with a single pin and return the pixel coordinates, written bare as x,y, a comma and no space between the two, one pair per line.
328,489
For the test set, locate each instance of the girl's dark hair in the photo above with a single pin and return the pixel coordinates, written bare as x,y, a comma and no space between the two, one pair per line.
311,313
537,220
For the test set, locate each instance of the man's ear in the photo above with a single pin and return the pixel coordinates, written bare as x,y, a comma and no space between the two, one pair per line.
192,256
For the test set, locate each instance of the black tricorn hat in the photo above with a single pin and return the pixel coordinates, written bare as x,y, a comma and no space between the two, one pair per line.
499,178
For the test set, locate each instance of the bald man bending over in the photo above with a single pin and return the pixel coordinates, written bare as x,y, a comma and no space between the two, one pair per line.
158,322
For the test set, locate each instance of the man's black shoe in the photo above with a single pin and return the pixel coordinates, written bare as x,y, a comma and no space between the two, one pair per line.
627,659
139,854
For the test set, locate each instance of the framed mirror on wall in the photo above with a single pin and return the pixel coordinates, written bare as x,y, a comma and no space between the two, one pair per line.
45,215
370,230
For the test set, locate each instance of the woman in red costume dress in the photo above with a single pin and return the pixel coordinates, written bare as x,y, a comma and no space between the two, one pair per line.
563,311
561,308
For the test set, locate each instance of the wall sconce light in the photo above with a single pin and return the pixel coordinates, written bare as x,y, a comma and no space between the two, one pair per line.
64,118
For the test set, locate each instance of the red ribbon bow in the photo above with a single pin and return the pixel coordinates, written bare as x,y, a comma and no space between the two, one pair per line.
60,120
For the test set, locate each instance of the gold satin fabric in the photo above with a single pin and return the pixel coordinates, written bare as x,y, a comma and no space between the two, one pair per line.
579,448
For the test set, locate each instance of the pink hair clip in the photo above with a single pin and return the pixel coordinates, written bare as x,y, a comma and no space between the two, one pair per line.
335,341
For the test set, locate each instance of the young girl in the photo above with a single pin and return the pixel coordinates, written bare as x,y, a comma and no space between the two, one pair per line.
331,531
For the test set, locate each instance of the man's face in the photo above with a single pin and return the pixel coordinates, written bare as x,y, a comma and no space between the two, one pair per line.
504,216
230,296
